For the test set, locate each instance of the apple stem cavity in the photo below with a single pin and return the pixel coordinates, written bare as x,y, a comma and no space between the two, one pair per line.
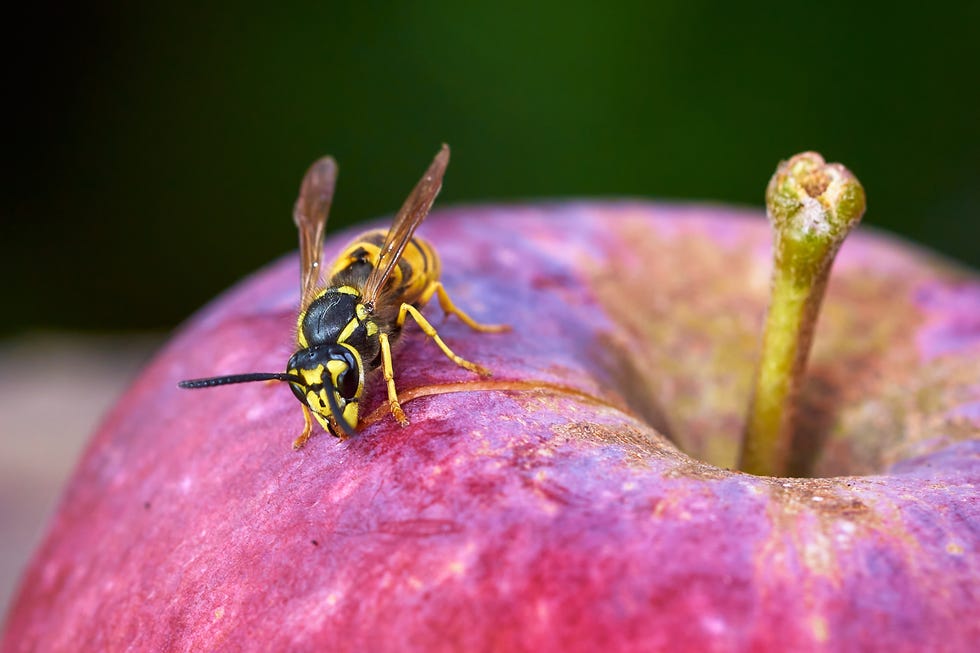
812,206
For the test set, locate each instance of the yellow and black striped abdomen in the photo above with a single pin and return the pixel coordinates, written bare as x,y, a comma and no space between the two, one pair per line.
416,269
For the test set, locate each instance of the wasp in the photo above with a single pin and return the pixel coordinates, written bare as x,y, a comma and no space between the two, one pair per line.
347,327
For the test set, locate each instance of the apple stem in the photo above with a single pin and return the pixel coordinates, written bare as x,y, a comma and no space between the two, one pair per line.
812,206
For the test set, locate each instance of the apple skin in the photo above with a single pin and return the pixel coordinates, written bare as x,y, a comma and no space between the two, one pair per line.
543,509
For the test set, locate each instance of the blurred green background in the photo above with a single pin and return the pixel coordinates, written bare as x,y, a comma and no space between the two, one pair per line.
154,150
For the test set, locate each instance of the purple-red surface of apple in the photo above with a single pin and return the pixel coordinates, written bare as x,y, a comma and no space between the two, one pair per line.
581,499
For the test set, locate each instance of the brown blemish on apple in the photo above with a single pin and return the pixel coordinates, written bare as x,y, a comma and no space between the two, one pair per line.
697,470
821,497
814,523
641,447
638,445
803,533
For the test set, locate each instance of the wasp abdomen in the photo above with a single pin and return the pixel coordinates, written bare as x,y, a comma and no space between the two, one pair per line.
417,267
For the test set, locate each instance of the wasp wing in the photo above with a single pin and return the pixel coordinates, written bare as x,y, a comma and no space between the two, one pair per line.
413,211
310,215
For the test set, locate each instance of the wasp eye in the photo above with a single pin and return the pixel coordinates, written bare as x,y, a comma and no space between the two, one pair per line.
347,383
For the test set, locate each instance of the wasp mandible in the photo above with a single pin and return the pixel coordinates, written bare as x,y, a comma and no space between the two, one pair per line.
345,330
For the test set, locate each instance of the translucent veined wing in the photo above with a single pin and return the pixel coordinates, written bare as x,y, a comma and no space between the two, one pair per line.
413,211
310,215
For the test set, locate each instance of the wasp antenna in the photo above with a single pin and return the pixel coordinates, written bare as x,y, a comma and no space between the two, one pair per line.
338,416
238,378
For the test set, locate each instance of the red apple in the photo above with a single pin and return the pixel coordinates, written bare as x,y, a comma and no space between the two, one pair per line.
581,499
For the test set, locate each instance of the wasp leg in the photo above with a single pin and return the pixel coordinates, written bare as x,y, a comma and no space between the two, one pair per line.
307,429
389,375
449,308
408,309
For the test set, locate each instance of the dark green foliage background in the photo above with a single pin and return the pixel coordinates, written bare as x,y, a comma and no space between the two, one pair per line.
154,150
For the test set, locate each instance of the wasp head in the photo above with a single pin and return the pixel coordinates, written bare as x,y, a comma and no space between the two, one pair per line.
329,379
